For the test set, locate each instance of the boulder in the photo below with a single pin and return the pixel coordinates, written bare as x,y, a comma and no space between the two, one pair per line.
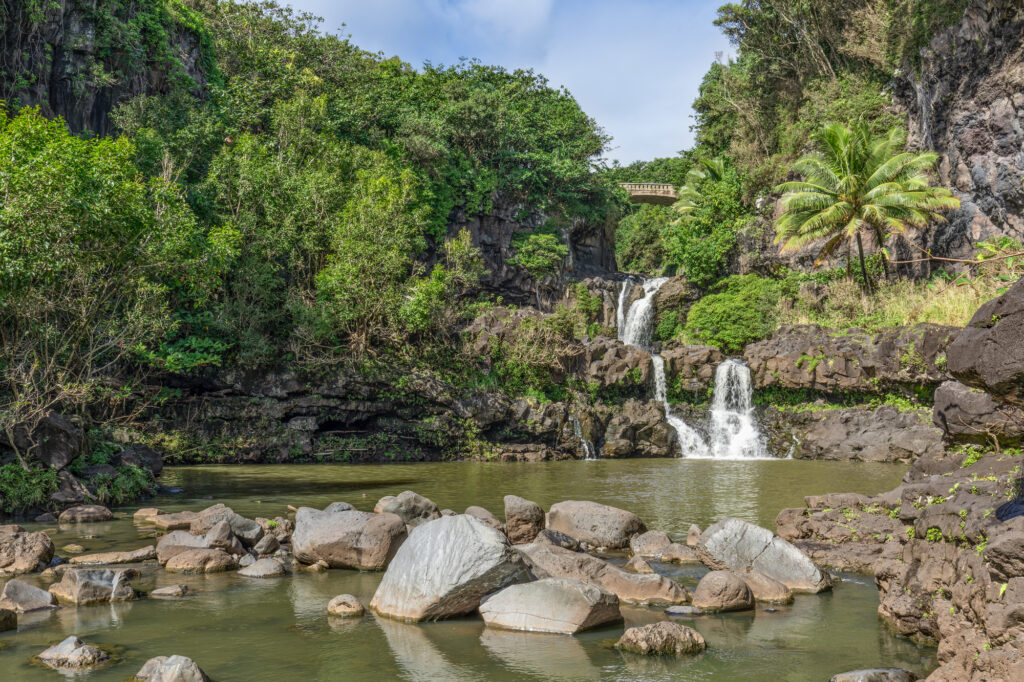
649,544
83,586
662,638
523,519
767,589
413,509
86,513
176,521
169,592
693,535
201,561
550,561
347,539
72,653
485,516
345,606
638,429
141,456
445,569
734,544
723,591
267,567
563,605
971,414
338,507
267,545
637,564
381,503
279,527
596,524
147,553
56,440
988,353
171,669
22,597
220,536
679,554
246,530
875,675
147,514
176,542
8,620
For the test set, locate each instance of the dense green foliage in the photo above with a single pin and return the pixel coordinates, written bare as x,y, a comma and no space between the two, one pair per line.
25,489
740,310
540,252
855,184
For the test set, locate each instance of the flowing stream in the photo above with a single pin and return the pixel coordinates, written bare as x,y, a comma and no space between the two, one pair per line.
246,630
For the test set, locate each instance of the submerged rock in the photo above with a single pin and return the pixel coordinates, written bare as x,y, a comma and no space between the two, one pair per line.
736,545
347,539
562,605
677,553
767,589
147,514
523,519
445,569
176,521
86,513
345,606
170,592
8,620
596,524
550,561
875,675
723,591
637,564
22,552
72,653
83,586
663,638
171,669
22,597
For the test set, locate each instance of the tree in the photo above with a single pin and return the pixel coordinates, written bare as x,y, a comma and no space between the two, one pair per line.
858,183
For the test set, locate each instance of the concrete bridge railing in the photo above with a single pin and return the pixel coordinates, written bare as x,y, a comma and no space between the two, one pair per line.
650,192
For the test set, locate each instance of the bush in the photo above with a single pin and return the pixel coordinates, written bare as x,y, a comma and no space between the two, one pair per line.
742,309
128,484
21,490
540,252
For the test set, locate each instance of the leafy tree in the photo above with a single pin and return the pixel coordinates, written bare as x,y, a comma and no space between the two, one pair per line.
93,256
858,183
539,252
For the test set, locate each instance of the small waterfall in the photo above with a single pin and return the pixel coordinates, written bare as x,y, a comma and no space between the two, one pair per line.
733,429
636,327
115,583
589,451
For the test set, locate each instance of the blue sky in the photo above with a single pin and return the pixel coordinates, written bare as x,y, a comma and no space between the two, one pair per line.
633,65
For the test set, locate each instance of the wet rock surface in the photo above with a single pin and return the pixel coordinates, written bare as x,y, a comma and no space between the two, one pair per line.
563,605
23,552
22,597
72,654
171,669
84,586
664,638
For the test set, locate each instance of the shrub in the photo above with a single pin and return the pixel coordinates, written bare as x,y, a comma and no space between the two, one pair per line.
741,310
539,253
21,490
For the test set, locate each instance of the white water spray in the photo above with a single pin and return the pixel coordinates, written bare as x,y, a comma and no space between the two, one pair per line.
589,451
733,428
636,327
620,312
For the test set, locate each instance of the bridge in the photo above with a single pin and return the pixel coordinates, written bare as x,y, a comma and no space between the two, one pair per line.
650,193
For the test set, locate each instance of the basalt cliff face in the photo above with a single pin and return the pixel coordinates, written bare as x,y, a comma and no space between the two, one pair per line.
965,100
64,57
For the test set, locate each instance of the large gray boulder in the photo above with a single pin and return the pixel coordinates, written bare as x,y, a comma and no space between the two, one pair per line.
72,653
413,509
267,567
723,591
596,524
734,544
22,552
171,669
202,561
248,531
551,561
971,414
86,513
523,519
176,542
649,544
564,605
22,597
988,353
445,568
347,539
83,586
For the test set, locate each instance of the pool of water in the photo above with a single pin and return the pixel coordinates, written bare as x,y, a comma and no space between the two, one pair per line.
277,629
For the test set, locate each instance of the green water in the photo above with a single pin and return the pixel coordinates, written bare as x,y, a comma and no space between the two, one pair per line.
277,629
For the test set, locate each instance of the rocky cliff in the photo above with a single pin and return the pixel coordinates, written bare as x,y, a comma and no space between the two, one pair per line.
78,59
965,100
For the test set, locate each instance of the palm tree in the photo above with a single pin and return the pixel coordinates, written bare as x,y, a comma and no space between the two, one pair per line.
688,194
858,183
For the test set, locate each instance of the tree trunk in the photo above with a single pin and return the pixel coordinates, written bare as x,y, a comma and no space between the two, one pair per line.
863,267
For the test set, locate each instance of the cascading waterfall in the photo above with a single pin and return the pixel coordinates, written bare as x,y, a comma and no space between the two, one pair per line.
636,327
589,451
733,428
620,312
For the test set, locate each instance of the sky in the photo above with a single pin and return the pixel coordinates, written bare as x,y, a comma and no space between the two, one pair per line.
633,65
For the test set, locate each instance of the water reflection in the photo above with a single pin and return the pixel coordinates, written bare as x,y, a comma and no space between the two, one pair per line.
419,659
548,656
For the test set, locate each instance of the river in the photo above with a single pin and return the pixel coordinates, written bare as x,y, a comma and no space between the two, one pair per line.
277,629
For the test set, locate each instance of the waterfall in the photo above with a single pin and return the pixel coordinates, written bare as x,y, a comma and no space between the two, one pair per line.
733,429
589,451
636,328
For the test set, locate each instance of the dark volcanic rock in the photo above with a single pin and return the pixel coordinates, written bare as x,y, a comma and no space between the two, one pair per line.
988,352
971,414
